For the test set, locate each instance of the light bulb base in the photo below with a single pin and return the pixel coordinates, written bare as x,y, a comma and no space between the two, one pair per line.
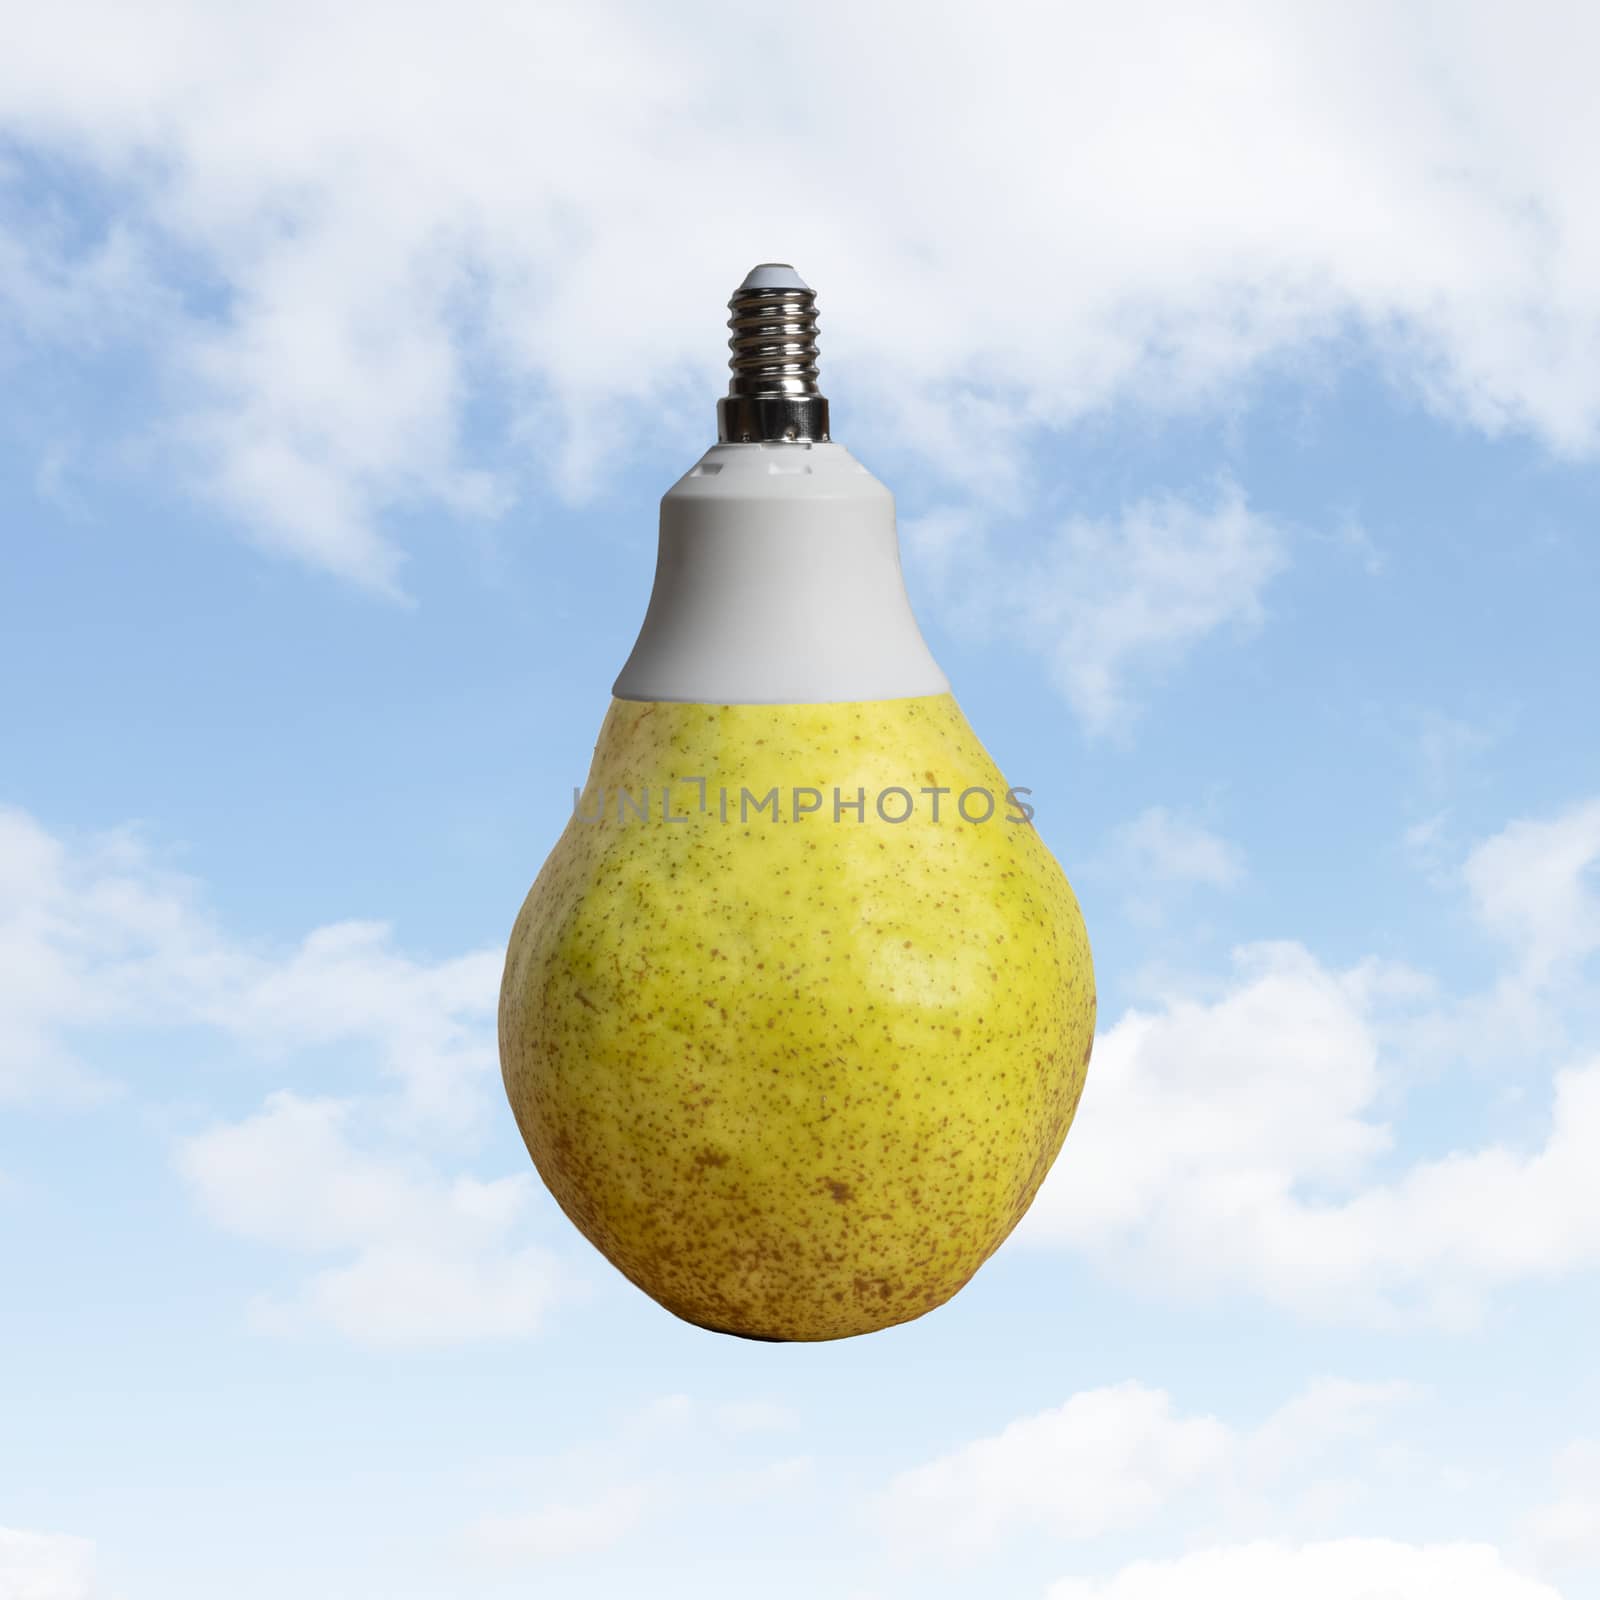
772,419
772,387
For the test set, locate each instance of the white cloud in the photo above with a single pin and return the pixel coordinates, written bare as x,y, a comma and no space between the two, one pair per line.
45,1566
1216,1104
942,543
1104,603
1107,605
427,1259
83,301
1154,862
1536,886
89,935
429,1024
1105,1459
566,1528
1115,1458
1566,1531
1157,844
757,1416
399,215
784,1476
664,1462
1341,1569
95,934
1233,1142
1327,1412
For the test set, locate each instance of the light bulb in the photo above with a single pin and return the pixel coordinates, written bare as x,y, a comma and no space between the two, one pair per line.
797,1014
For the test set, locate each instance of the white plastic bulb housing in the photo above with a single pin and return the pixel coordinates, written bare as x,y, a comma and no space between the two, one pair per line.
778,582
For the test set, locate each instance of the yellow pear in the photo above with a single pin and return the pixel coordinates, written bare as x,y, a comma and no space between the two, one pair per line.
796,1067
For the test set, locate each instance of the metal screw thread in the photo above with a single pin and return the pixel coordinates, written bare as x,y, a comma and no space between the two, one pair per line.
772,392
774,341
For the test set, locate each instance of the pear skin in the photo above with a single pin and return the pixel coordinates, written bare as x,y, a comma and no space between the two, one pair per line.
796,1076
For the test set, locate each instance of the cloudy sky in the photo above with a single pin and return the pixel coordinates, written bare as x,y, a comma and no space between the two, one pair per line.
1238,377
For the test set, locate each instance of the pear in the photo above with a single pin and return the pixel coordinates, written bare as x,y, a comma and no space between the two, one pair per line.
796,1068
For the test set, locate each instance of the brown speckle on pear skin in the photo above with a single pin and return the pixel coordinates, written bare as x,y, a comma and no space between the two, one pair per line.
798,1081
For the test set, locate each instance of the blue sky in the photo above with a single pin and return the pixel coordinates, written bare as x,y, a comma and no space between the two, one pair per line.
1237,380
